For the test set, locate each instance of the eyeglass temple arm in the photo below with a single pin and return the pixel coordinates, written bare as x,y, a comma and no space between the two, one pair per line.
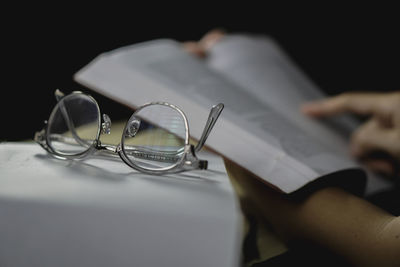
59,95
212,119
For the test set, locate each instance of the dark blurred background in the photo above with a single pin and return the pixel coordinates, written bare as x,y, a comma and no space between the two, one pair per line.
340,49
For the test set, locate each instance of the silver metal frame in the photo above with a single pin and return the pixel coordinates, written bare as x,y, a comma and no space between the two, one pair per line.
187,156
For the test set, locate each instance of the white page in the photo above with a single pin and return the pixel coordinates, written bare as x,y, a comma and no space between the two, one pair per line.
100,212
257,63
161,71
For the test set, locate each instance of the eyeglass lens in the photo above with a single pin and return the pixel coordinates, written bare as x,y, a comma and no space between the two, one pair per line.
73,124
154,137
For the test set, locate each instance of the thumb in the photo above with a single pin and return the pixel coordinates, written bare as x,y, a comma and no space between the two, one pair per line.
211,38
201,48
195,49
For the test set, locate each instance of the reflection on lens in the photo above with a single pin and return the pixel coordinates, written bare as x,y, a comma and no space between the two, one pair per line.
73,124
154,137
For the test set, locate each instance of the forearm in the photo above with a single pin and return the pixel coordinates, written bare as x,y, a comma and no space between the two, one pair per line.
332,218
349,226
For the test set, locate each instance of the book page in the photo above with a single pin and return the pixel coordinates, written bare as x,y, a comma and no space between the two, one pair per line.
257,63
250,131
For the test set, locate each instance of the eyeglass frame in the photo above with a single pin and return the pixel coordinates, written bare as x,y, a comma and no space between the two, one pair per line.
188,161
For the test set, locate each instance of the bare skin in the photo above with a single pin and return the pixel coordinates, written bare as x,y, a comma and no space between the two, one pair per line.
345,224
381,132
350,227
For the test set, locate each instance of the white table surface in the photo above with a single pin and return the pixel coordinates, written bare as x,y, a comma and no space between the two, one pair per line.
101,212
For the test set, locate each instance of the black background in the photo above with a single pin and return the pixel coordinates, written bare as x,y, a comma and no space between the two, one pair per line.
339,48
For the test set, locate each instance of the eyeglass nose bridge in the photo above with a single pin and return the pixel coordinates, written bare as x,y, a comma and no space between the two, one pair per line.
132,127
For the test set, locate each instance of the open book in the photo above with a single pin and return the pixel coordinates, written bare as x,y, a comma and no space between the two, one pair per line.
261,127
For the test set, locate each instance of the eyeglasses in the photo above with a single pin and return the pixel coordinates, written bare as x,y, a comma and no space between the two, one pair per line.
155,139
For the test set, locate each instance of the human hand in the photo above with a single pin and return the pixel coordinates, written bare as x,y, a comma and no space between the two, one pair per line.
200,48
380,133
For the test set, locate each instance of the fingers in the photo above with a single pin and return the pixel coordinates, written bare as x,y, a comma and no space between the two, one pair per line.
378,147
201,48
358,103
195,49
211,38
372,137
